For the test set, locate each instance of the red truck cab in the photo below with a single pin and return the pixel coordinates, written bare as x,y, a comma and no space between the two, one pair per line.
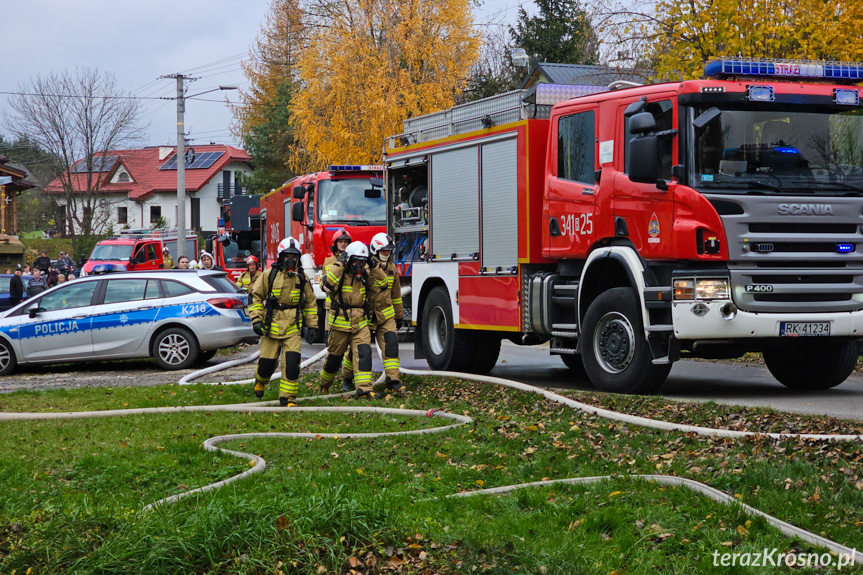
135,250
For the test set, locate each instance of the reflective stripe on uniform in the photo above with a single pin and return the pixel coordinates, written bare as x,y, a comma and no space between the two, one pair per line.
347,364
255,306
391,363
390,280
381,283
333,279
327,376
388,312
362,377
397,301
289,387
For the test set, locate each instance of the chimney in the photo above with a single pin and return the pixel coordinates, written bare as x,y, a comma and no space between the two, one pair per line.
165,151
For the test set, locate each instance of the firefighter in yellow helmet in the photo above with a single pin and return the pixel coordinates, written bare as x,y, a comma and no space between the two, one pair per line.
388,314
247,281
351,282
341,239
281,298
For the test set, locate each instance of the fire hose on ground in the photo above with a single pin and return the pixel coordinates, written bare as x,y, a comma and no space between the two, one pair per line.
258,465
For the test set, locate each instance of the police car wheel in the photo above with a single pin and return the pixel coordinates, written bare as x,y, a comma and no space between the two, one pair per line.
8,361
175,348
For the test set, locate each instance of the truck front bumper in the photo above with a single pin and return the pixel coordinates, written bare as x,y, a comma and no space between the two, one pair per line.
699,320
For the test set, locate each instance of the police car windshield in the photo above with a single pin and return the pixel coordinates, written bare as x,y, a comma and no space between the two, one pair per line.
112,252
345,201
800,150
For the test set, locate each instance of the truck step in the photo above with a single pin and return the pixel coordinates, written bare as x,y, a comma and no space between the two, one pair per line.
565,334
660,328
562,351
565,326
661,361
566,287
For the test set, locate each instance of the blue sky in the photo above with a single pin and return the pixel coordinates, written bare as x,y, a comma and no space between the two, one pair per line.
140,41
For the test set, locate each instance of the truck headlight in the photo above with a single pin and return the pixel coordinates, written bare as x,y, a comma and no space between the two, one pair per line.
711,289
708,288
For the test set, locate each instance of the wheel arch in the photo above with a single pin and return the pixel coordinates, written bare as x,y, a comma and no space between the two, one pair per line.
611,267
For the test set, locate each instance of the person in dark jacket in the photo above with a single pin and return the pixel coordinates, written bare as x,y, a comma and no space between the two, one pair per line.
16,287
37,284
53,278
65,264
43,263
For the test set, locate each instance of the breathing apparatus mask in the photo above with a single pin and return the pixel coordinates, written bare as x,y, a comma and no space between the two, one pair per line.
357,264
288,262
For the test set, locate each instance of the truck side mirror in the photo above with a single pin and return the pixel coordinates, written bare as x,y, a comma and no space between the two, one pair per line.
642,123
644,160
299,192
33,310
373,193
298,212
376,182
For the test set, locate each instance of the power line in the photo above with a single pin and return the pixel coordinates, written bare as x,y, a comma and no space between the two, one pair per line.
103,97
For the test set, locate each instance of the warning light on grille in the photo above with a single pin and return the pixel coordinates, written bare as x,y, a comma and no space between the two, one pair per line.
844,248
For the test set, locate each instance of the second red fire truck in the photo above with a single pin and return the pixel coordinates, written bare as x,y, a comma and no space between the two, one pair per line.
311,208
631,227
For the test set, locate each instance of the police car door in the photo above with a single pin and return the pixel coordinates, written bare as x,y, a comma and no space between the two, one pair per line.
124,316
61,328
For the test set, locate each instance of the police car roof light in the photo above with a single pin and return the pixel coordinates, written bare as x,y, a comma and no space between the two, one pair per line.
839,72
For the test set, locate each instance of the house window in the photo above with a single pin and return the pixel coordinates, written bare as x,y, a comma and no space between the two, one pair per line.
123,177
122,215
155,213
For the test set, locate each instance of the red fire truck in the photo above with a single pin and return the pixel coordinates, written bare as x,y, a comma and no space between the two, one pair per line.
632,226
239,235
312,207
135,250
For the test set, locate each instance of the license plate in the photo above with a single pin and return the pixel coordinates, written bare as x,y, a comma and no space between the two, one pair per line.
802,329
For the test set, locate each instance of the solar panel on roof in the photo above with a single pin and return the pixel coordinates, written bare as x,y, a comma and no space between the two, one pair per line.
202,161
100,164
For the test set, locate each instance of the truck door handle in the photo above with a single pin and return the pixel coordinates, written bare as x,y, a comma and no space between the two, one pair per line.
553,227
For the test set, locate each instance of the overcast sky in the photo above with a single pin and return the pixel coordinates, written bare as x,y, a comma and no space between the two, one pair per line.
140,41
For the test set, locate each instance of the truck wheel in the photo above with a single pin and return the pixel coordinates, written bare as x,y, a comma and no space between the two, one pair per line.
175,348
487,352
8,361
446,348
575,363
615,352
813,366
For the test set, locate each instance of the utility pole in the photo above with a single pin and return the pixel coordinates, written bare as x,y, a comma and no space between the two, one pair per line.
181,157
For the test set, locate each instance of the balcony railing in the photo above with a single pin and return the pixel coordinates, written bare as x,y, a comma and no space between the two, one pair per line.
225,192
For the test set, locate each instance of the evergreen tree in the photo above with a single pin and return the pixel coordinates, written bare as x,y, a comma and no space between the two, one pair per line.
561,32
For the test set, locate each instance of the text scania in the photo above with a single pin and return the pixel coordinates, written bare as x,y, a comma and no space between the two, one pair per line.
806,209
57,327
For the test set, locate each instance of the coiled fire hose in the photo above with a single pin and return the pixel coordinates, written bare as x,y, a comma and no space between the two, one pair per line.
258,465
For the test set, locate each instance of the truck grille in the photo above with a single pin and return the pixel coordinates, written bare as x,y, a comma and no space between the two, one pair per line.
793,259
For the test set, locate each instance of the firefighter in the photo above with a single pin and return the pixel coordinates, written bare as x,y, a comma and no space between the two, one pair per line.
351,282
388,314
247,281
341,239
281,298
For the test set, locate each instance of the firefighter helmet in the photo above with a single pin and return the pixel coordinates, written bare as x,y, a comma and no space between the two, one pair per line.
357,250
380,242
340,234
289,245
251,260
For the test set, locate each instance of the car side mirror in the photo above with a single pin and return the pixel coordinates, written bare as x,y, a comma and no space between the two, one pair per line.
33,310
298,212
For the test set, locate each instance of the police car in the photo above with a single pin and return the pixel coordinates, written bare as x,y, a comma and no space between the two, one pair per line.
177,317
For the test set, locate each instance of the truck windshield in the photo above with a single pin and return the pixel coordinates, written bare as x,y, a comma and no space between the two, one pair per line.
111,252
344,201
243,245
793,150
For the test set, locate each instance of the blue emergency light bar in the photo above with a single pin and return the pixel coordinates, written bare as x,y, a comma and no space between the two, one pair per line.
355,168
839,72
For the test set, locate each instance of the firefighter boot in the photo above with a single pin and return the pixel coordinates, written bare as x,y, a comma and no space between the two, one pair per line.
348,385
287,402
259,389
368,394
394,385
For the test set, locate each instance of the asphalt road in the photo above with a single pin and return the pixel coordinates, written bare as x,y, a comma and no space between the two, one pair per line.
729,382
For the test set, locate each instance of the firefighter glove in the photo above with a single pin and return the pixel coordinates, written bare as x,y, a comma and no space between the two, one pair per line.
373,263
311,334
258,327
343,258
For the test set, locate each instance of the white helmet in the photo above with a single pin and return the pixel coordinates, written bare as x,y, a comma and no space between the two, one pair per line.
289,245
357,250
380,242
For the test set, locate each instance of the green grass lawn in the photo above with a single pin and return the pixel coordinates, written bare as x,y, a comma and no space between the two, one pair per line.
71,492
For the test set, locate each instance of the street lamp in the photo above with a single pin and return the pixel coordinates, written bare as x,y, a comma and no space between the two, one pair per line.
181,160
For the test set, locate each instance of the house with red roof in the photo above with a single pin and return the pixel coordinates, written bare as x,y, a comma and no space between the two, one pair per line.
138,187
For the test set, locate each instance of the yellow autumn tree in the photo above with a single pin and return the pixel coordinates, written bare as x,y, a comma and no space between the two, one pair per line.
676,37
369,64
